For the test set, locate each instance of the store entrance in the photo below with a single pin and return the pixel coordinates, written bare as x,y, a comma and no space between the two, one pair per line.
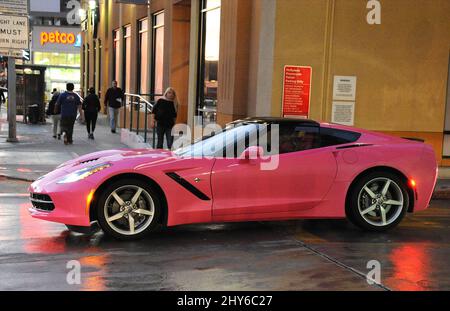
208,83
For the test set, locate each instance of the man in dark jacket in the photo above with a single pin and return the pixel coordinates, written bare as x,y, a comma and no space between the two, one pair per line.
69,103
55,113
114,98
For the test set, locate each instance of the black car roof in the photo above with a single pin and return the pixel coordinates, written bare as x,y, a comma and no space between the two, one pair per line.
277,120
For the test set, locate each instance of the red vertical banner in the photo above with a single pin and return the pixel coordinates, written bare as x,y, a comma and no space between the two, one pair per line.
296,91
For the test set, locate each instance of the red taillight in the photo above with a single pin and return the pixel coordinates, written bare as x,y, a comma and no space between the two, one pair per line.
412,183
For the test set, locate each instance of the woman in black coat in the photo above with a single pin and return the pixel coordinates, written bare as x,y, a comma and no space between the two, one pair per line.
165,114
91,107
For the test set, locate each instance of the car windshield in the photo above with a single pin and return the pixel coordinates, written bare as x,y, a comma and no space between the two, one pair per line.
230,142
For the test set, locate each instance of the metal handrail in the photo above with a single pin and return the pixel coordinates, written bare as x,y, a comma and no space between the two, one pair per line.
146,102
137,102
81,98
80,117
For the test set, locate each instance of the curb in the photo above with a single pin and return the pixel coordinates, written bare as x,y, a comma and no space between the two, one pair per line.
441,195
8,177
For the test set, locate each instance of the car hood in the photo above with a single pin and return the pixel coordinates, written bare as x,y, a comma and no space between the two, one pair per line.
133,155
122,160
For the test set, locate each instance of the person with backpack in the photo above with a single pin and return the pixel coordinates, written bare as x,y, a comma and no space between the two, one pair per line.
55,114
69,103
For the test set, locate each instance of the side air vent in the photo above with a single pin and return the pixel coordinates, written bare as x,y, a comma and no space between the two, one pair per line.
188,186
415,139
353,146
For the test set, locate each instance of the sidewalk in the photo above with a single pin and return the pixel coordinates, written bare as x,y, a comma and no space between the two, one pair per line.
37,152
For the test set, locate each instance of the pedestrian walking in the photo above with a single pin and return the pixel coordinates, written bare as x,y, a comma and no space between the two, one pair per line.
91,107
2,96
69,103
55,113
114,98
165,114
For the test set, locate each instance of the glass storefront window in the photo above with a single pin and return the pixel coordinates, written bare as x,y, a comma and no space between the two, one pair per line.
57,77
127,58
117,46
158,53
63,74
143,52
61,69
209,58
56,59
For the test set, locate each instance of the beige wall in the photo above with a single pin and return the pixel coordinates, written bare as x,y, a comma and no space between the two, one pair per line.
401,65
300,40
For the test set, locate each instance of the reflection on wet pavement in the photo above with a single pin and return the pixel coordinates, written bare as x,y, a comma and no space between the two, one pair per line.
243,256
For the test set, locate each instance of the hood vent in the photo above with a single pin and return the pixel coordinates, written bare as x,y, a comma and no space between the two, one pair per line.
88,161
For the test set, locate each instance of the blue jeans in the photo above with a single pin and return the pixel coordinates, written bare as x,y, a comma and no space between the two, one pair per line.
113,117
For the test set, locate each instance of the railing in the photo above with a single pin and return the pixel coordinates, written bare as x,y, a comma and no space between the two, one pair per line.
80,116
137,104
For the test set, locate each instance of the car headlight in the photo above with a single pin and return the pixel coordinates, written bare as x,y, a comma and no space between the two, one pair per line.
83,173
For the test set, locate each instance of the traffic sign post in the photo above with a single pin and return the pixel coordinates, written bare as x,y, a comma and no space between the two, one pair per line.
12,133
14,39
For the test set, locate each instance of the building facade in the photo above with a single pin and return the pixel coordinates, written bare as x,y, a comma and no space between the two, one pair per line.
228,59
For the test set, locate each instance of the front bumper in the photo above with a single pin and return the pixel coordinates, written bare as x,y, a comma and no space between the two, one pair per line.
69,201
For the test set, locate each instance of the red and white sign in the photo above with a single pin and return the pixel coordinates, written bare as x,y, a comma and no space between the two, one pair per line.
296,91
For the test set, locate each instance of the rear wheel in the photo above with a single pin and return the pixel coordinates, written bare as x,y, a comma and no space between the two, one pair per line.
378,201
128,209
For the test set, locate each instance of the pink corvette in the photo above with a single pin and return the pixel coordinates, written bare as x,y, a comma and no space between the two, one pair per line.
256,169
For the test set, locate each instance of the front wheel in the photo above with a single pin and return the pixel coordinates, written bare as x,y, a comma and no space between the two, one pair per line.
378,201
128,209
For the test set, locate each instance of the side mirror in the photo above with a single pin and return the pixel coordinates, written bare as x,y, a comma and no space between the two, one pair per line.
252,153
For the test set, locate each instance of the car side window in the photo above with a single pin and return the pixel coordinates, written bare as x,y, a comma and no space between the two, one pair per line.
332,137
295,137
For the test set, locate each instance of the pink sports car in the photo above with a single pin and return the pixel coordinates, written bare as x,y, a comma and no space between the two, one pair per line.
256,169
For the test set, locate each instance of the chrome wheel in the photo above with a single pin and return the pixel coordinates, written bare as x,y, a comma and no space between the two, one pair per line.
129,210
380,201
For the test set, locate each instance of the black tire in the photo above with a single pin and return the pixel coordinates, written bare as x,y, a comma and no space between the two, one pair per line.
108,228
356,199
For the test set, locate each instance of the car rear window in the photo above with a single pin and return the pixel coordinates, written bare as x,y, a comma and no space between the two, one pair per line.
332,137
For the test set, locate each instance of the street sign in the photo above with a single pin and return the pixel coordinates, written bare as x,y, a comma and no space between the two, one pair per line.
14,32
49,39
11,53
296,91
14,7
344,88
26,54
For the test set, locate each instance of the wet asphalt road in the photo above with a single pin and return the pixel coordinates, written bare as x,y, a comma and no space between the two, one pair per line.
293,255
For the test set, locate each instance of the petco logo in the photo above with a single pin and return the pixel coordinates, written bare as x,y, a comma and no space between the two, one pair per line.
57,37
